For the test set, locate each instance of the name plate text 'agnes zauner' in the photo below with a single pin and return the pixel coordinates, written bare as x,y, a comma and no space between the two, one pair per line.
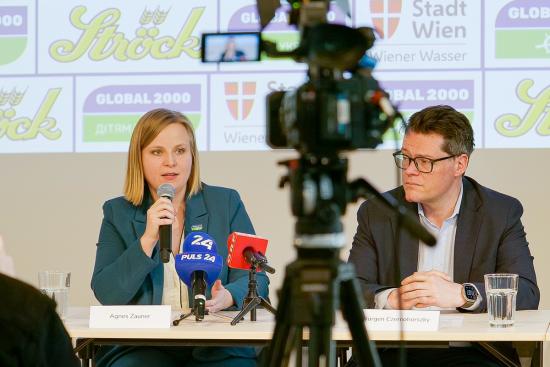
130,317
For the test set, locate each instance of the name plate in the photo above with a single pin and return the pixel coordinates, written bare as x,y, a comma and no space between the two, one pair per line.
130,317
409,320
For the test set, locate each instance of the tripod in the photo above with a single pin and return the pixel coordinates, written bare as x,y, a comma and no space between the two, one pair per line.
315,285
318,282
198,310
192,312
252,299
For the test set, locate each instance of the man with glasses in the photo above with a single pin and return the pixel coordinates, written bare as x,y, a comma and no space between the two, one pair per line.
478,231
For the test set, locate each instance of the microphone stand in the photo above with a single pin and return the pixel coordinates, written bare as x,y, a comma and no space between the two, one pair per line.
252,299
198,285
192,312
183,316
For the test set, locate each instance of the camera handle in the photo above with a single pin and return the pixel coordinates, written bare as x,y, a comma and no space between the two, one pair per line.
362,188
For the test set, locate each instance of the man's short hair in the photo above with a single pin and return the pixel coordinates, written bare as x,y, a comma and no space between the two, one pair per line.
444,120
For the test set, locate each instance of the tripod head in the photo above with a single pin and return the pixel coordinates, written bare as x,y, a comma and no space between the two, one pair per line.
319,196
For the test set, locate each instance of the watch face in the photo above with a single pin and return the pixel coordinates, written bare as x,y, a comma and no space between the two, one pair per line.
470,292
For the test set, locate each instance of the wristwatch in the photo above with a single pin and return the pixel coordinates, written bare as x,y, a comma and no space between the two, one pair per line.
469,291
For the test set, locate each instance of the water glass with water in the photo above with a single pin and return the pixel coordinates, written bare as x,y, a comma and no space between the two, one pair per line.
55,284
501,290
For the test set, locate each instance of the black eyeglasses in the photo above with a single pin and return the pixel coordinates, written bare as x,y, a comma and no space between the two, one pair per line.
422,164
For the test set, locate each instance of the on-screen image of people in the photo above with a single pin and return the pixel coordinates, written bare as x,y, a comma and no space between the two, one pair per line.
231,52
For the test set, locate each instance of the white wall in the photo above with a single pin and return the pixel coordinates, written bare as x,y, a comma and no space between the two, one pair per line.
50,212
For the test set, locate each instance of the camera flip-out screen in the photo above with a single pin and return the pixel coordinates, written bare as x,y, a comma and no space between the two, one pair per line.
230,47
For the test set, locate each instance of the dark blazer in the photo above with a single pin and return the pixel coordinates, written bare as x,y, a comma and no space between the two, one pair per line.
489,239
124,274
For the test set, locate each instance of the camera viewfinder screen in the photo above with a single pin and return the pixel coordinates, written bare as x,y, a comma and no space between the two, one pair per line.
230,47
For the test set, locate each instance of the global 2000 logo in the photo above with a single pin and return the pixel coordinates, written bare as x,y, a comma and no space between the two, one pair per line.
522,30
13,33
110,112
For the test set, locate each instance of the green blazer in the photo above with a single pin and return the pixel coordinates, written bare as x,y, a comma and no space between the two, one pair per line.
124,274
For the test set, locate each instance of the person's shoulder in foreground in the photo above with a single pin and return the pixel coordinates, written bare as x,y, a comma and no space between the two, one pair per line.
32,332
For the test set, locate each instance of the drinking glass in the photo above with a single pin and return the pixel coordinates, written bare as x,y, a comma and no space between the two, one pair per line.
501,290
55,284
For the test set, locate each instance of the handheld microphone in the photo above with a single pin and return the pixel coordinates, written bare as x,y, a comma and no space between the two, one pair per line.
165,231
198,266
246,250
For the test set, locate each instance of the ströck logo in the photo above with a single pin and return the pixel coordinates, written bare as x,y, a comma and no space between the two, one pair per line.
16,127
385,16
537,116
239,97
101,39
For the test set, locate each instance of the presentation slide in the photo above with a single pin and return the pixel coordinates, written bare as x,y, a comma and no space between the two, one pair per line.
76,75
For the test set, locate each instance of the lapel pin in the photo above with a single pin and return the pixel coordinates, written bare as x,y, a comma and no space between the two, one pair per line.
196,227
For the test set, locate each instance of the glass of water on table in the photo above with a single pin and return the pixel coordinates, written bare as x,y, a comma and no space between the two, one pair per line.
55,284
501,290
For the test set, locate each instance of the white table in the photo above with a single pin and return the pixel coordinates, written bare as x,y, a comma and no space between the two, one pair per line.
211,331
530,330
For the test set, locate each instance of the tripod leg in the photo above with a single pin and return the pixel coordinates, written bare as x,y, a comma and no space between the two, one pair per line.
352,310
182,317
322,350
279,347
267,305
250,306
295,343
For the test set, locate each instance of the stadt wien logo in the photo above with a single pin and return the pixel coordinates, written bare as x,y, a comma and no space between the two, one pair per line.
385,16
239,98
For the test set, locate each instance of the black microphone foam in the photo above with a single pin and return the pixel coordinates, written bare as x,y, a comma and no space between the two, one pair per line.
257,259
165,231
198,285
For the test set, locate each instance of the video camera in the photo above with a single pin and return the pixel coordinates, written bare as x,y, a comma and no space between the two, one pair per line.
341,106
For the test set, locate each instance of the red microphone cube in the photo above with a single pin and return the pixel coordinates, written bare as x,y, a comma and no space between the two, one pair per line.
237,243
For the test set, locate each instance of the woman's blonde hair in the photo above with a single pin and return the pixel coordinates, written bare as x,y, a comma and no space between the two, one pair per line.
147,129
